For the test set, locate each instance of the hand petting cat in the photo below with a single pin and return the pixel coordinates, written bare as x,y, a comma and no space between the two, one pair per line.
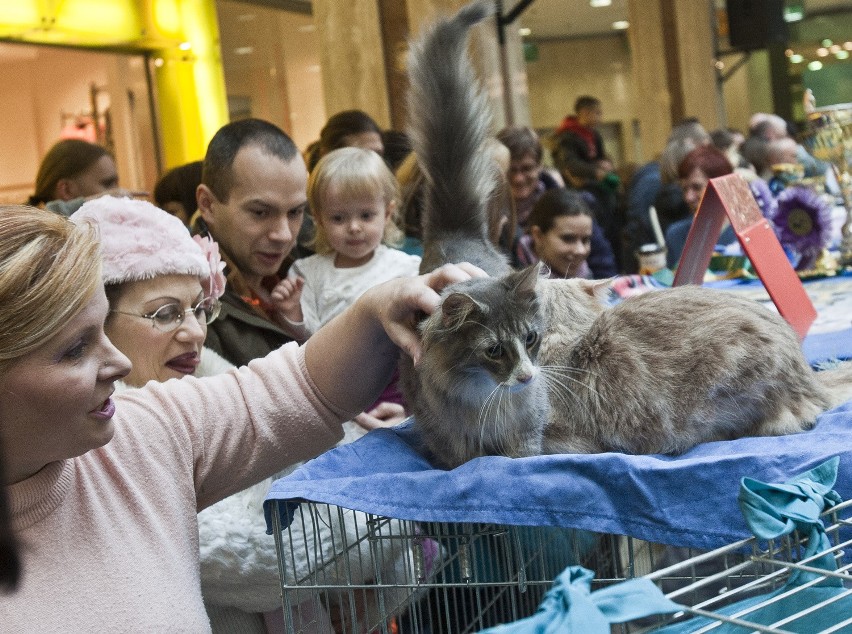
384,414
286,299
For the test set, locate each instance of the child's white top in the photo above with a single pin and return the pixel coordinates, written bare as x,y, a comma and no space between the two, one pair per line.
329,290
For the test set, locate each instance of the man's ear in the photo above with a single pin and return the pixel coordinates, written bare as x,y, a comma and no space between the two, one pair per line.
66,189
205,199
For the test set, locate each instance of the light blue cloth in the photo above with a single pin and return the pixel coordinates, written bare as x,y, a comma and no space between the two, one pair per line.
775,510
688,500
571,607
772,511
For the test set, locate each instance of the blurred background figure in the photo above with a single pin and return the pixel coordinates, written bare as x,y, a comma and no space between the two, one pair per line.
656,184
695,171
397,146
729,141
560,234
71,171
175,191
580,157
349,128
769,127
529,180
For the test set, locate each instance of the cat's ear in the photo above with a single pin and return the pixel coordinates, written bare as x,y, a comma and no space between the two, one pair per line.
456,308
526,279
597,289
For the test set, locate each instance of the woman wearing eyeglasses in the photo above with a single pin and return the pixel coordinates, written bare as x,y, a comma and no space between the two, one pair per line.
104,490
163,288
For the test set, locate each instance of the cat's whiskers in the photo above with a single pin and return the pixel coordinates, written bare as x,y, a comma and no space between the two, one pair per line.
563,371
561,391
483,414
550,376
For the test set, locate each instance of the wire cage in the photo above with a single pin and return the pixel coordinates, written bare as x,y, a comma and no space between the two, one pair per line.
352,572
775,586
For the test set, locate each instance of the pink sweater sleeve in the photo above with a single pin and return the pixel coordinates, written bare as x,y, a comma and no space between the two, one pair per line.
233,430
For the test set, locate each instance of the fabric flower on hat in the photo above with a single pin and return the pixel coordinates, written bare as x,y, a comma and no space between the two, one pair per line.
802,222
216,281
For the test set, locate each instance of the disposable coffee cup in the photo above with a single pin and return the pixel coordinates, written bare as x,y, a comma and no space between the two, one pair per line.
652,258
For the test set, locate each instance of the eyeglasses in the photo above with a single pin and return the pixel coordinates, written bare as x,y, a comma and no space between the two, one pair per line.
170,316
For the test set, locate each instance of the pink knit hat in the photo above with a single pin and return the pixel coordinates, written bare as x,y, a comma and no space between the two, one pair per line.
140,241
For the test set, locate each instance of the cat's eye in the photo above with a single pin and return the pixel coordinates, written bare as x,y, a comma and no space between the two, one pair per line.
532,338
495,351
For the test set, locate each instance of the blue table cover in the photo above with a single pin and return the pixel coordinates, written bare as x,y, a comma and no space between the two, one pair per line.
689,500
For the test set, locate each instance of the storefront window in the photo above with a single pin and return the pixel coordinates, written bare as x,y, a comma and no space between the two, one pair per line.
272,67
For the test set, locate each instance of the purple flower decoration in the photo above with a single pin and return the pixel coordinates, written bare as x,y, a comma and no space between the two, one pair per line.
765,199
802,222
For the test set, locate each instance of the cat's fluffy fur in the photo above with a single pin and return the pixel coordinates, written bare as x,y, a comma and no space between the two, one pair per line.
477,390
665,371
518,365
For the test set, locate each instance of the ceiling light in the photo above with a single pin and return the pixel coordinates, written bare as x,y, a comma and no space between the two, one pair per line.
788,52
620,25
834,48
244,50
842,54
815,65
524,31
847,46
184,46
796,58
827,42
599,3
822,52
793,15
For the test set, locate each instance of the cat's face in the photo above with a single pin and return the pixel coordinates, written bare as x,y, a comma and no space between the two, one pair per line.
487,332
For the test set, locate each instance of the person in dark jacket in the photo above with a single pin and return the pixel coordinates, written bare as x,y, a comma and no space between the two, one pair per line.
580,157
251,200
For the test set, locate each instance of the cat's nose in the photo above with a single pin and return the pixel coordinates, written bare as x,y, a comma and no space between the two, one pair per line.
525,378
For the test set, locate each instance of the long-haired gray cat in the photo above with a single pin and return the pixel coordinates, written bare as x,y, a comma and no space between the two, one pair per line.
518,365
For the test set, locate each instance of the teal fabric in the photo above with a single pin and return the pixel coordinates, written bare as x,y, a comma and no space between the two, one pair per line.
775,510
571,606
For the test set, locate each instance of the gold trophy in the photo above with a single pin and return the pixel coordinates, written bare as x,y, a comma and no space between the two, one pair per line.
828,137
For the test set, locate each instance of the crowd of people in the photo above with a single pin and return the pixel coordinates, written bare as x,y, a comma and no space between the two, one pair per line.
157,360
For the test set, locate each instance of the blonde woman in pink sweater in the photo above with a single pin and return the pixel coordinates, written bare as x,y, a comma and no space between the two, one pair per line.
104,491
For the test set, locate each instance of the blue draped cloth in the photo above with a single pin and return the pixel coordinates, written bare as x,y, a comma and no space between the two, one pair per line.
688,500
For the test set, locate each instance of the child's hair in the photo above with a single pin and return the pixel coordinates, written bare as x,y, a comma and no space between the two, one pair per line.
353,172
555,203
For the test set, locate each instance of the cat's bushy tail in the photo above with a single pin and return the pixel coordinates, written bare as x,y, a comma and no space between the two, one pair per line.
449,124
836,378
